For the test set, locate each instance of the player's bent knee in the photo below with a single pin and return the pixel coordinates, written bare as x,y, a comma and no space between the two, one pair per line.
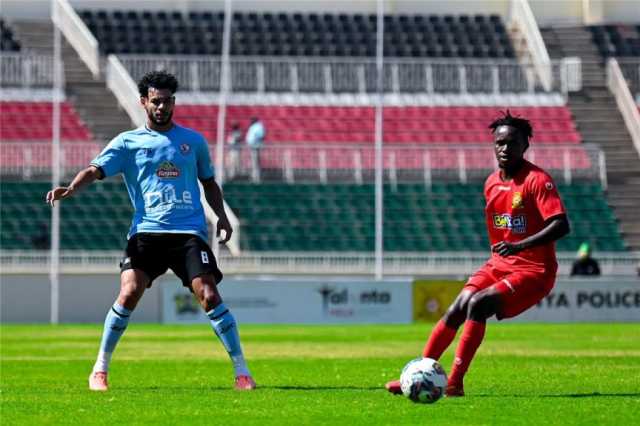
205,290
455,316
457,312
482,305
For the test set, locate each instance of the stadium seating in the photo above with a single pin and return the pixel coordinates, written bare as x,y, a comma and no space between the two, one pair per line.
29,121
617,40
97,219
404,125
307,217
298,34
449,217
8,42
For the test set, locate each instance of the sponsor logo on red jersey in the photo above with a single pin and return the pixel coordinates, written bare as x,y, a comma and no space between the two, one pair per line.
516,201
517,223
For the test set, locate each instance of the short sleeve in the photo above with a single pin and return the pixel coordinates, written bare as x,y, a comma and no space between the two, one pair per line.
546,196
485,189
205,169
112,158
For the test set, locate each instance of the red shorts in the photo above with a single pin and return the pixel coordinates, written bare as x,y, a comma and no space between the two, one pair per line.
518,290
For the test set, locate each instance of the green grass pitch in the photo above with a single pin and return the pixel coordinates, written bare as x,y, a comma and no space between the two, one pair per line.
523,374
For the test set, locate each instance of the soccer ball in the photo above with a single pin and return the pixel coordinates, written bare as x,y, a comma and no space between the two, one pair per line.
423,380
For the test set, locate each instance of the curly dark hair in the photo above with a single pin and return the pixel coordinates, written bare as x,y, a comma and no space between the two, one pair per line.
157,80
522,125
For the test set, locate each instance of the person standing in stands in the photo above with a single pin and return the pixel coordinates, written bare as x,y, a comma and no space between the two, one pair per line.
255,140
162,163
234,140
585,265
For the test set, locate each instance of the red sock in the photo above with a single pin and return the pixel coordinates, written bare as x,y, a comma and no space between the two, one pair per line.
472,335
440,339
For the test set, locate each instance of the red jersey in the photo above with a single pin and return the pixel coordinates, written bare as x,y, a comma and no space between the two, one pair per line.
517,209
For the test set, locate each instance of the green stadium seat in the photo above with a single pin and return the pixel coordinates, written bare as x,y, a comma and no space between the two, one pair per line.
308,217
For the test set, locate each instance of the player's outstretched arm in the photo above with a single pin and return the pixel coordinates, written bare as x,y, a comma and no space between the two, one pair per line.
214,197
82,179
555,228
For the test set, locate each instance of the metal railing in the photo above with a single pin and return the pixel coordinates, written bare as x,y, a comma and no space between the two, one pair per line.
631,70
338,162
26,70
626,104
77,34
523,18
410,163
358,75
459,264
119,81
31,160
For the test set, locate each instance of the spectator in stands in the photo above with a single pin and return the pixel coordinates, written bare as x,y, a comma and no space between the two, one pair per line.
234,140
255,140
585,264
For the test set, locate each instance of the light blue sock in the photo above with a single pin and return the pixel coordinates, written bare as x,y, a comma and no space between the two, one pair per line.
224,325
114,325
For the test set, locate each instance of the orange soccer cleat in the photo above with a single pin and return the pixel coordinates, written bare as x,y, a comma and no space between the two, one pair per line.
394,387
454,390
245,383
98,381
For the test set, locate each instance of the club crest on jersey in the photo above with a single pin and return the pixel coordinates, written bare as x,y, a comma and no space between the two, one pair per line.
516,201
167,170
185,148
517,224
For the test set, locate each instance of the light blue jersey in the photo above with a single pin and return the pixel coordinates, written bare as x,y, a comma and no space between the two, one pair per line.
255,135
161,172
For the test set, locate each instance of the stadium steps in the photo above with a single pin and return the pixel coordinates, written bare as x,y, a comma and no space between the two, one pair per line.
95,104
597,117
34,36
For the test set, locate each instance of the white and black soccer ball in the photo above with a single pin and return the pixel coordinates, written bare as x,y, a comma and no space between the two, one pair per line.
423,380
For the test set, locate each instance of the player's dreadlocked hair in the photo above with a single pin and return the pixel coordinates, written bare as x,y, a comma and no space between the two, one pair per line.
157,80
522,125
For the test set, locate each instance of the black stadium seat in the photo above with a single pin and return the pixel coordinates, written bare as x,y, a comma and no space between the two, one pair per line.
8,43
298,34
616,40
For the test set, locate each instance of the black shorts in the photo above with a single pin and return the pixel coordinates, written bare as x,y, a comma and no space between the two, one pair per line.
187,255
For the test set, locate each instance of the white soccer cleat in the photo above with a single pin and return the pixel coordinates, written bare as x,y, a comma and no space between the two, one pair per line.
98,381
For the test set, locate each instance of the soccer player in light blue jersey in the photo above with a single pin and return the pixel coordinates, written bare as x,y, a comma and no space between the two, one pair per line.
162,163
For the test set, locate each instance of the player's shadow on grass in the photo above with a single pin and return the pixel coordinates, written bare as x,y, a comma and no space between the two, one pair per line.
566,395
324,388
286,388
590,395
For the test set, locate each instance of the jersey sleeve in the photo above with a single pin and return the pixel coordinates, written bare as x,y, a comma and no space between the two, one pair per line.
112,158
205,168
485,189
546,196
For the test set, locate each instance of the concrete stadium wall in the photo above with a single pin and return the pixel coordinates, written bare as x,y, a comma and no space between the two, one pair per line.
83,298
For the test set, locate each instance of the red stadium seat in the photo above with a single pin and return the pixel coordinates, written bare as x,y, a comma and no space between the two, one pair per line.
31,121
331,126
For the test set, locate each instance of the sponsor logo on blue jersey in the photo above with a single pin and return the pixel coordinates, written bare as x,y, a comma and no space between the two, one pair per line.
167,170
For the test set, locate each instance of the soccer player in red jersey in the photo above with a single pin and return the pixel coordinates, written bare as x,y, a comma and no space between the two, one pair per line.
524,216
